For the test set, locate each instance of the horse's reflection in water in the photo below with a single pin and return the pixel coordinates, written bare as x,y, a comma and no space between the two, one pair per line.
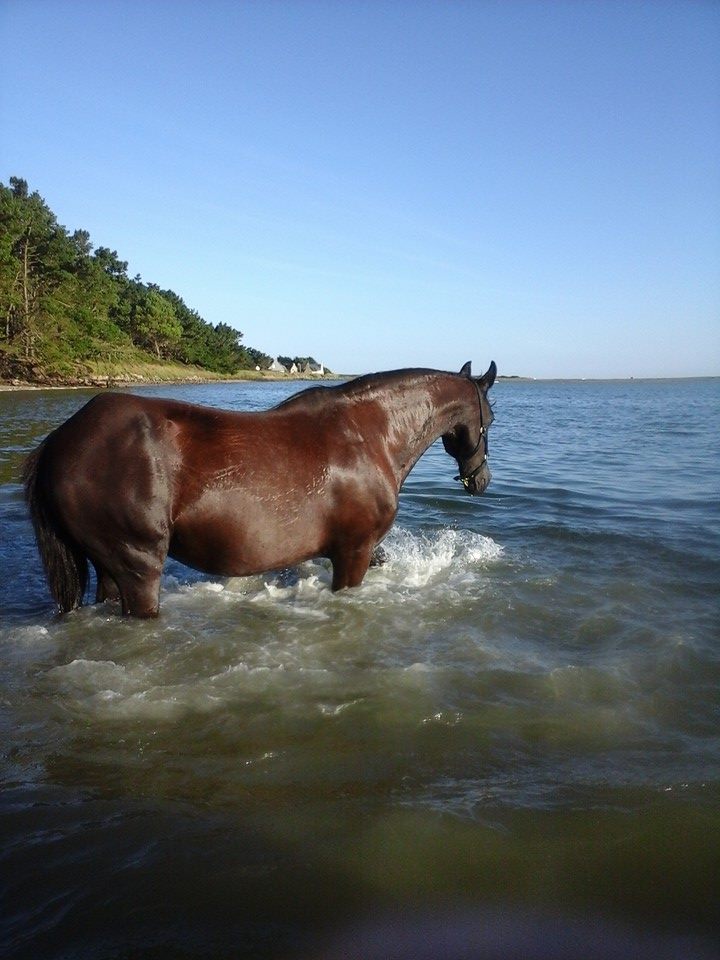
129,480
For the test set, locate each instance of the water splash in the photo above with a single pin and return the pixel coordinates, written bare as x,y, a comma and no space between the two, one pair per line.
417,559
414,561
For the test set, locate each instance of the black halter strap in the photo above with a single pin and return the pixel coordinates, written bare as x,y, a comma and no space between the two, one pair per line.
465,478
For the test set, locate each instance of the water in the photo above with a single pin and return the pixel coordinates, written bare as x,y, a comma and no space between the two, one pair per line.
518,711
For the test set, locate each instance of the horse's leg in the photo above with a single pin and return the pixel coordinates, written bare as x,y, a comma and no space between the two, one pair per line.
140,592
107,589
137,575
350,565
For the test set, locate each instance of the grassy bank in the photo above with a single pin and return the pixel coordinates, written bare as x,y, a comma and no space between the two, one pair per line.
132,368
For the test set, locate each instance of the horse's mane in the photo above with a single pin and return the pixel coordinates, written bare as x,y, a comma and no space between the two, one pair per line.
365,385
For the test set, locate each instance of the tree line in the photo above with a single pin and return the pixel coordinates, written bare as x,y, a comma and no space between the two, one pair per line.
63,302
299,362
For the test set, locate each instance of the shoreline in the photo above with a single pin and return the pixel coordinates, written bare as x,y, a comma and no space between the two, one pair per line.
110,383
269,376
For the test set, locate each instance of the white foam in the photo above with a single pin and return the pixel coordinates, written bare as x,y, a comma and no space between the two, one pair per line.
29,634
334,710
419,668
448,558
91,675
283,637
412,561
417,559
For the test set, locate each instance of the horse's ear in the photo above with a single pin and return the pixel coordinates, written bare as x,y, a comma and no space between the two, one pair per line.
488,379
465,370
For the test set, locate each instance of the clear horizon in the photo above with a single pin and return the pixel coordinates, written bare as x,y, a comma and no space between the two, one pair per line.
393,184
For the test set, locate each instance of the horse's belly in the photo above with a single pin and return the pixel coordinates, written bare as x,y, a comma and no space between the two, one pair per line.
247,535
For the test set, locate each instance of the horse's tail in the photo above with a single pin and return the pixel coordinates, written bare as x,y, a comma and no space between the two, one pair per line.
66,565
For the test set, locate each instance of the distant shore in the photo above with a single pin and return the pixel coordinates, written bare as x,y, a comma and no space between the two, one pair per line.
155,376
263,376
113,382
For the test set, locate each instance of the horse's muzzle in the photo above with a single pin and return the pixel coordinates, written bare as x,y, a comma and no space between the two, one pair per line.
477,484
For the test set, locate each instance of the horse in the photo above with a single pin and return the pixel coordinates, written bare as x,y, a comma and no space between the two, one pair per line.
129,480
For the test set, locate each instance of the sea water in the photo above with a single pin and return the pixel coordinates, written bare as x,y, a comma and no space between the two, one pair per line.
518,711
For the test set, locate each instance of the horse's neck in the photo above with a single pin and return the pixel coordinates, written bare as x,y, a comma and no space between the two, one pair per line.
418,414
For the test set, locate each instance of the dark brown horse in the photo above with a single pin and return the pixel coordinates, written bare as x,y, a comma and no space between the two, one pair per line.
128,480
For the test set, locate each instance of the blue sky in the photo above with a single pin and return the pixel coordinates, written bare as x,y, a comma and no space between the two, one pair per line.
388,184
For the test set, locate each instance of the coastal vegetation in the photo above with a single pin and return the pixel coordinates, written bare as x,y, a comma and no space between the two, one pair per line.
69,311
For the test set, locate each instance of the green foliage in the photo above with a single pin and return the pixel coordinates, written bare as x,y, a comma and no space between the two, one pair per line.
300,362
258,358
61,304
153,323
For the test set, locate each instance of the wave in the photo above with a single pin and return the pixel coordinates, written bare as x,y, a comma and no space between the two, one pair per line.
412,561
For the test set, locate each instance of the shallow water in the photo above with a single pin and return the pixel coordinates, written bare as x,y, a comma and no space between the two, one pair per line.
519,709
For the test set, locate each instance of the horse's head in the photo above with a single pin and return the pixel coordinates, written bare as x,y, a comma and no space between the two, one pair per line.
467,442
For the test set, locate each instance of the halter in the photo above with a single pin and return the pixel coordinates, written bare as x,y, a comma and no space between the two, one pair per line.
465,478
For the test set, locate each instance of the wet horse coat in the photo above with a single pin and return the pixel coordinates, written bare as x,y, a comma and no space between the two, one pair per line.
129,480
